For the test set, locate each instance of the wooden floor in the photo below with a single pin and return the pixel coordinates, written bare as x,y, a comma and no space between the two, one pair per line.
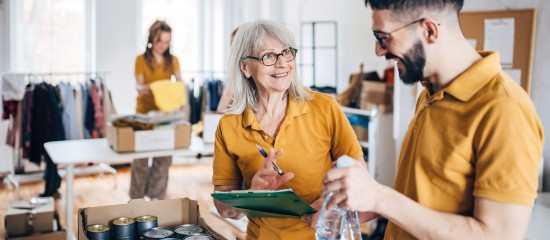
192,181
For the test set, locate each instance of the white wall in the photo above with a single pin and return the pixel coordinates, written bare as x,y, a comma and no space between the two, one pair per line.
540,86
4,38
116,45
355,41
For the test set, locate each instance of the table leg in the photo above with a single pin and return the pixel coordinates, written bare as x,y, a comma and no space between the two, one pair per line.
69,202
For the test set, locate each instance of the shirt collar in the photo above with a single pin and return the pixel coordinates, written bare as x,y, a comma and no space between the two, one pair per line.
474,78
294,108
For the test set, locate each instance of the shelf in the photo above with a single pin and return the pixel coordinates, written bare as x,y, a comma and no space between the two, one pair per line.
362,112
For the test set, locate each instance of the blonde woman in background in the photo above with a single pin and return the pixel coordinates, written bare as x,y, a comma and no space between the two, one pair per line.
157,63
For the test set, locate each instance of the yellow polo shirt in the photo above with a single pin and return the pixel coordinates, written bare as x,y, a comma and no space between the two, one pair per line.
146,103
313,134
478,137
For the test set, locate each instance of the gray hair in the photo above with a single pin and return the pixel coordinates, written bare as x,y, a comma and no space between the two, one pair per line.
248,42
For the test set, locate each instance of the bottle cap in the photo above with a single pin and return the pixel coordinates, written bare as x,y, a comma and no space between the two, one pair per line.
344,161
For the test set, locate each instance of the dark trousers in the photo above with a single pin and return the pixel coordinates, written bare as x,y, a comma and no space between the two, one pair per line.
51,176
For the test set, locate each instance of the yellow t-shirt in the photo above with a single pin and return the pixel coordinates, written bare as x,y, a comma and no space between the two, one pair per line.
313,134
478,137
146,103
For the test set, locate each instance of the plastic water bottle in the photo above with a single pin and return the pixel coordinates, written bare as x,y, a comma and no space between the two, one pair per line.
336,223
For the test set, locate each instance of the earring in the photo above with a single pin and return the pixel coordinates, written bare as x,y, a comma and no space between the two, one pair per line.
149,45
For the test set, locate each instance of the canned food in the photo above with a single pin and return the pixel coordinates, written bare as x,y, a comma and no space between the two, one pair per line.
185,230
158,233
98,232
123,228
199,236
145,223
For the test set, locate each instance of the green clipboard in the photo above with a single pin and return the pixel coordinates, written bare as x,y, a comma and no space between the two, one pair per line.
266,204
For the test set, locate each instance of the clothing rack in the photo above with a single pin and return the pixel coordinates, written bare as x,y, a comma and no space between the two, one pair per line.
34,76
14,179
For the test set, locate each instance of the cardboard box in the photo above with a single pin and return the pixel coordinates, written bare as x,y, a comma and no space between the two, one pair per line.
125,139
22,218
170,213
60,235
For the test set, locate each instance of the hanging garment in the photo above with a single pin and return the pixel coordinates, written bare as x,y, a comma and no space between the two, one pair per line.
47,126
69,114
98,111
13,86
78,111
89,118
26,122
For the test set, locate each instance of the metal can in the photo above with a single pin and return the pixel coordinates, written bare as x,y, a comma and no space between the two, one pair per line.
199,236
98,232
123,228
185,230
145,223
157,233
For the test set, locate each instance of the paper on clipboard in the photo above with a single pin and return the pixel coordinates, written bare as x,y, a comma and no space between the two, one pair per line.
499,36
268,204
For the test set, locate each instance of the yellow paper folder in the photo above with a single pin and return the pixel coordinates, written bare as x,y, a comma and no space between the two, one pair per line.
168,95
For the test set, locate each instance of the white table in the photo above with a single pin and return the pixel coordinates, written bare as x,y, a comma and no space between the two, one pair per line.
73,152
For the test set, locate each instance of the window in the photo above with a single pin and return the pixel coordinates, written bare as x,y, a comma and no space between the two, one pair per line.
198,39
48,35
183,17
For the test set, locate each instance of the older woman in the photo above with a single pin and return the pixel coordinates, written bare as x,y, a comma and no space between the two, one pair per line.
273,109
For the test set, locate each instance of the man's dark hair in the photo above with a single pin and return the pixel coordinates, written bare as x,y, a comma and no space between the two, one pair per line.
404,6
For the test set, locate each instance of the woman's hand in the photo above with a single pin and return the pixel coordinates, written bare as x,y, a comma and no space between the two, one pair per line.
311,219
144,89
225,210
267,178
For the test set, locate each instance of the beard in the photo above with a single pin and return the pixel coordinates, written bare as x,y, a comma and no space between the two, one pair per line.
414,62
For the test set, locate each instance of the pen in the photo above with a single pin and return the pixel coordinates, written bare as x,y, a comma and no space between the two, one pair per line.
279,171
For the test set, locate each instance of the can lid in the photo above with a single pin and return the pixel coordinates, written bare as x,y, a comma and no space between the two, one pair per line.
158,232
123,221
199,237
187,229
97,228
146,218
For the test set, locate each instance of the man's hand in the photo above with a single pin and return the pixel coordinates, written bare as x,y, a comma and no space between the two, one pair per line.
267,178
353,188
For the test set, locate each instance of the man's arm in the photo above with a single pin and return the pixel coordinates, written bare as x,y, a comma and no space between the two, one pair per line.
491,220
355,189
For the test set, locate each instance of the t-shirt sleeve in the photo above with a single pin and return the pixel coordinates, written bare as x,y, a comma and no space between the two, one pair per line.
139,68
344,140
509,145
225,168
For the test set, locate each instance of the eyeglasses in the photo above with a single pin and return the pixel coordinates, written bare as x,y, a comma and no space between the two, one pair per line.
383,37
270,59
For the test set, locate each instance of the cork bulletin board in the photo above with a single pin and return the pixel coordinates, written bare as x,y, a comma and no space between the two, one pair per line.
473,27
